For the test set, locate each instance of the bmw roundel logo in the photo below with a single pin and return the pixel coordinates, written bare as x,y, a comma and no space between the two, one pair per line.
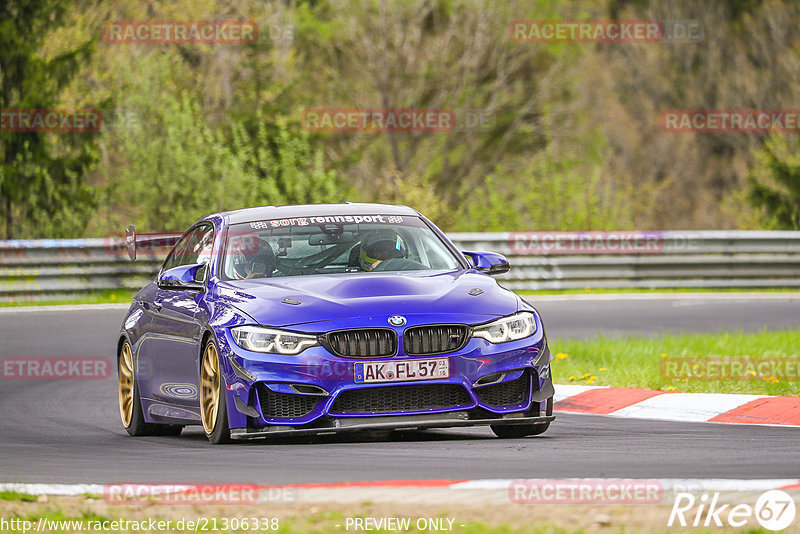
397,320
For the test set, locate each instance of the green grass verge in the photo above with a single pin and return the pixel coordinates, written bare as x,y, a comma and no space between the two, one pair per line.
60,521
16,496
61,514
108,296
640,362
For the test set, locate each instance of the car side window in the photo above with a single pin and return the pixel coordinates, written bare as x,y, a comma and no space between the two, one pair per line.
174,258
194,247
434,256
198,248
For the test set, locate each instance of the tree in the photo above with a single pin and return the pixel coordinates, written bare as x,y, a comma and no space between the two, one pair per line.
42,189
774,182
427,54
283,164
169,164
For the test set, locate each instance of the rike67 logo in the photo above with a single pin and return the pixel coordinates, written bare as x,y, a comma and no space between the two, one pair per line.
774,510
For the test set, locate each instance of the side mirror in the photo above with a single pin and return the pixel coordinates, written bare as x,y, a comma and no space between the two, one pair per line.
183,277
130,242
489,262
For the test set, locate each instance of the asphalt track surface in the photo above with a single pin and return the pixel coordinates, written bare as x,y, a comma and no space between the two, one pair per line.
69,431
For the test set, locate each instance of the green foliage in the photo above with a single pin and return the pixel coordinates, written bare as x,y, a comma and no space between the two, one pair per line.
551,190
191,169
167,166
173,165
8,495
774,183
283,165
571,140
42,175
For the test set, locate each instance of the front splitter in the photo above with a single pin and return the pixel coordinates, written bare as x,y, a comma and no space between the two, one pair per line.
394,422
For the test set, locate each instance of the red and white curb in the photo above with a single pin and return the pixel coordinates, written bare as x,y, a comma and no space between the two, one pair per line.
668,406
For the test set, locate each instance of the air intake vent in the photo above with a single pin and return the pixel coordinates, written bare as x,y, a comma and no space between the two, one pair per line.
434,339
398,399
284,405
366,343
508,393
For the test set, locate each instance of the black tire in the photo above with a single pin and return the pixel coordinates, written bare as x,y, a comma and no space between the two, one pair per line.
126,375
138,427
168,430
219,432
222,433
519,431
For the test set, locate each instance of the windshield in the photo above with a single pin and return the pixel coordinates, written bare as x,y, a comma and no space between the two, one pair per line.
333,244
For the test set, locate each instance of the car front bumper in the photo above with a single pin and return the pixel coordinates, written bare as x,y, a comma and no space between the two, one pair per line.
394,422
264,397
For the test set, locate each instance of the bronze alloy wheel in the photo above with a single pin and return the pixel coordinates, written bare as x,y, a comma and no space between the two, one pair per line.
126,384
209,388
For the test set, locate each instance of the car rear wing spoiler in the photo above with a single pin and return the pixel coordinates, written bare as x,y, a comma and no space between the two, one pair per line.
147,241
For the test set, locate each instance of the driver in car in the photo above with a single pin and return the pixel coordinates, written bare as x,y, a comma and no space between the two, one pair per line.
378,247
256,261
385,251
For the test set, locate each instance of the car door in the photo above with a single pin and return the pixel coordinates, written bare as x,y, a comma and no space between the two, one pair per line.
175,329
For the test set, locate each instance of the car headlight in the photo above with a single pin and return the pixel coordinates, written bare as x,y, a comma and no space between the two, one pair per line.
511,328
260,339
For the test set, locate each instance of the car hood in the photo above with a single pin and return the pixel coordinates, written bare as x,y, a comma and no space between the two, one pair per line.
445,296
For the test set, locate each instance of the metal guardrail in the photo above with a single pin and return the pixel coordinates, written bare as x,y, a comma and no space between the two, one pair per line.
44,269
699,259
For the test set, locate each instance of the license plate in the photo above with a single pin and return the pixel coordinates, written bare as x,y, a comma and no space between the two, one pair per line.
400,371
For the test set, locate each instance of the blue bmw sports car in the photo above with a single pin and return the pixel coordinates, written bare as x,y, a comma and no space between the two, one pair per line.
313,319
